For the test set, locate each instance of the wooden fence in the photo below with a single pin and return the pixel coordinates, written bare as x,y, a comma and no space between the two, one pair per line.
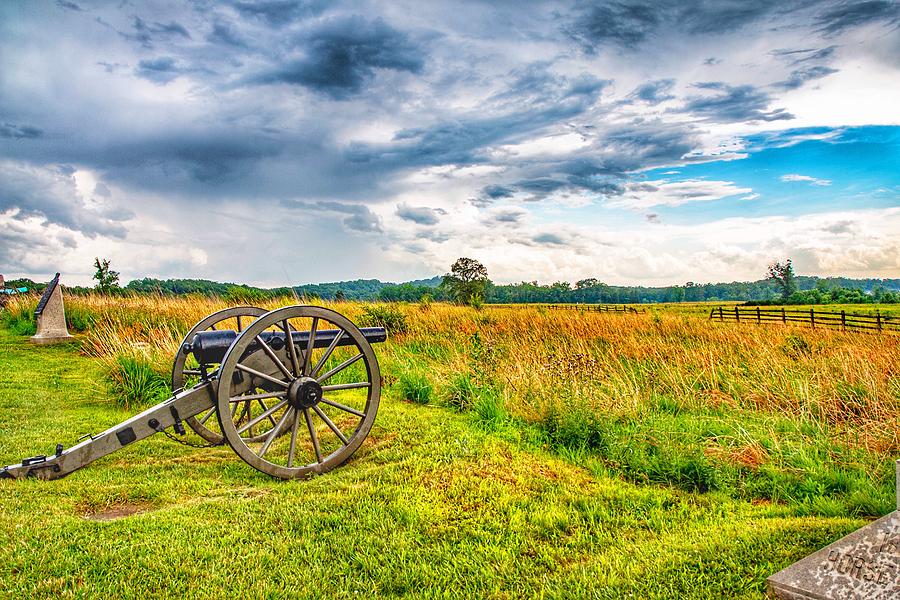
620,308
815,318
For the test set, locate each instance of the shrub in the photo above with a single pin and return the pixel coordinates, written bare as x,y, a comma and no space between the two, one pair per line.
134,382
389,316
574,428
18,317
415,387
462,392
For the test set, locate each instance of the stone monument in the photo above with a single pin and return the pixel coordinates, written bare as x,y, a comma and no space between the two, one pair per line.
864,564
51,316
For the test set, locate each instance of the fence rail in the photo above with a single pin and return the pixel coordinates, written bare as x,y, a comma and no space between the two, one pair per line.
620,308
815,318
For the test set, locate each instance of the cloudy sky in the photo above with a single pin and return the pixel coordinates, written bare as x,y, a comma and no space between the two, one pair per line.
282,141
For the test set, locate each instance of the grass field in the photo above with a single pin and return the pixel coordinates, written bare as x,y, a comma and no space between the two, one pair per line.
517,452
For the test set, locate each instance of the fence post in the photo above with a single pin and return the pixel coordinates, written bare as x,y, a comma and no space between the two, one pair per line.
812,318
758,316
843,320
783,316
721,316
737,314
878,319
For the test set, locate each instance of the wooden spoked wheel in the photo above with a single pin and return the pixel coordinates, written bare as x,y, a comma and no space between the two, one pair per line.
186,371
324,396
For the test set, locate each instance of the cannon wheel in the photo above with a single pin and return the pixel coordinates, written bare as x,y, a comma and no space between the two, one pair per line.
186,377
326,398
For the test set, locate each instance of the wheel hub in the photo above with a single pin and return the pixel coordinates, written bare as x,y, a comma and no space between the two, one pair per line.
304,392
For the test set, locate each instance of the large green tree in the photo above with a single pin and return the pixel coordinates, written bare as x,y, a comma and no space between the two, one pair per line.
107,279
466,281
783,276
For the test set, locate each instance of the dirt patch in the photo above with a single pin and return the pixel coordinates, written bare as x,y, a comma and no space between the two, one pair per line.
118,511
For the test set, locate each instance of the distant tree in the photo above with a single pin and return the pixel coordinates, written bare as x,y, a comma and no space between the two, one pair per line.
584,284
339,296
783,276
466,281
107,279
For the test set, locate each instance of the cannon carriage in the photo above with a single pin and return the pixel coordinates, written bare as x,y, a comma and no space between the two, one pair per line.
293,391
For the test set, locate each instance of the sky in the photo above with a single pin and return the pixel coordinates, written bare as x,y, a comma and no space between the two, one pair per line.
284,142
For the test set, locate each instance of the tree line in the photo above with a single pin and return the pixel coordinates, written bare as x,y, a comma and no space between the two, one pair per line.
468,283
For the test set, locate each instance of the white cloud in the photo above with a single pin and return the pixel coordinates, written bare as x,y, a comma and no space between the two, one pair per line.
811,180
676,193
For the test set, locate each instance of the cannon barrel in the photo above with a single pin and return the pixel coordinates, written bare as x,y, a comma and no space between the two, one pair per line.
210,346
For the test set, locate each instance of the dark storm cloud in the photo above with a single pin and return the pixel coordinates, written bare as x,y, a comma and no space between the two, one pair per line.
733,103
465,140
421,215
497,191
797,57
359,217
69,5
147,33
278,13
624,23
342,54
225,34
628,24
19,132
158,70
537,84
800,76
853,14
654,92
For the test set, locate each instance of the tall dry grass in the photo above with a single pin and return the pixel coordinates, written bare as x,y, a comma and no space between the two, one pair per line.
665,396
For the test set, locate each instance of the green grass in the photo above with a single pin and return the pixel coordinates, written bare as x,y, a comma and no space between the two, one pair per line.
436,503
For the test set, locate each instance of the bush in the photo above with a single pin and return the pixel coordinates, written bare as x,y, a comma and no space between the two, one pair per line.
415,387
389,316
133,382
18,317
462,392
575,429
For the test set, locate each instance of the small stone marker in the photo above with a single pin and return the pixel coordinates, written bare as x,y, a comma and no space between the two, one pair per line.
862,565
51,316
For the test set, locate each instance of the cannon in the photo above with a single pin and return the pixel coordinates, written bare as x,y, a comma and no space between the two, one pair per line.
293,391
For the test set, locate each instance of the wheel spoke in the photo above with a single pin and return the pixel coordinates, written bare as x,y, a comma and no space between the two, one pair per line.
294,428
256,373
328,351
312,434
258,396
206,417
339,368
292,350
331,425
271,354
344,408
191,372
239,323
263,404
262,416
310,344
274,434
346,386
